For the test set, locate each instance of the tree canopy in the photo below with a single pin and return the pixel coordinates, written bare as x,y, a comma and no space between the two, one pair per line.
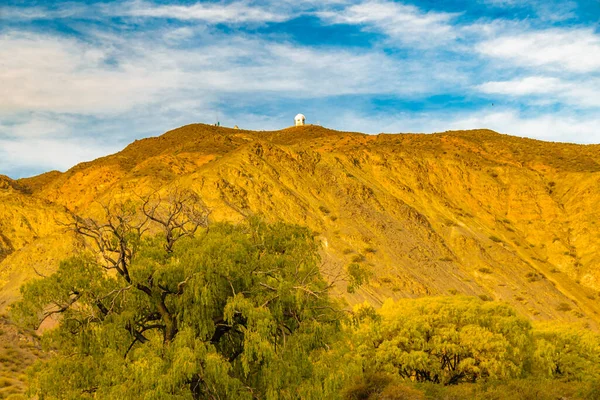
443,340
233,311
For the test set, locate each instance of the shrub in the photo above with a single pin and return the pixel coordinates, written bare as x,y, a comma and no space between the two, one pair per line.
358,258
563,307
324,210
446,340
357,276
569,352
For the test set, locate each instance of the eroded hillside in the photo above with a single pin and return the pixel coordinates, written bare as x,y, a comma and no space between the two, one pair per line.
471,212
32,241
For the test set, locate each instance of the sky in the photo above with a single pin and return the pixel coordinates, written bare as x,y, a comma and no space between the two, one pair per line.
82,79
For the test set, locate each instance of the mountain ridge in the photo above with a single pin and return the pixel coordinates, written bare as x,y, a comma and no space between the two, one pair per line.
473,212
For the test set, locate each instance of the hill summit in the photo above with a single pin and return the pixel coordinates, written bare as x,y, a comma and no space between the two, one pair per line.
463,212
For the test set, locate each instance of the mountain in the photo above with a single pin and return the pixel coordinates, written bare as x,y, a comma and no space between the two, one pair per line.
30,238
472,212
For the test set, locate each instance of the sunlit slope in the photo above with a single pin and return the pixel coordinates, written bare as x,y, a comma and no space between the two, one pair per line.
458,212
31,238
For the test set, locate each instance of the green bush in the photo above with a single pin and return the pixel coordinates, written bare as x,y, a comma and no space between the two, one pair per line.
567,352
446,340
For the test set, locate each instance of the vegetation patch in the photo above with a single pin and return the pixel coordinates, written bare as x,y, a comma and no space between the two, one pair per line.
358,258
324,209
243,312
564,307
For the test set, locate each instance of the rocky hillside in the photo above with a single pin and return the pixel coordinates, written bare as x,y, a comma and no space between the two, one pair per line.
471,212
32,240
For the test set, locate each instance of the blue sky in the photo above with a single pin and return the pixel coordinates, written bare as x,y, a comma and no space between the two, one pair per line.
81,79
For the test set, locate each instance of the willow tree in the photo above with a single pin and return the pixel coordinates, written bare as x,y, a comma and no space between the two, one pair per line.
567,352
198,312
443,340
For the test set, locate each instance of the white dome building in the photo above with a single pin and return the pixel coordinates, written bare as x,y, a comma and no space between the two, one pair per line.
300,120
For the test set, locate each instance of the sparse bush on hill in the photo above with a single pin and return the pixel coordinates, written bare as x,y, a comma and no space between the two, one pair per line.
564,307
358,258
324,210
495,239
357,276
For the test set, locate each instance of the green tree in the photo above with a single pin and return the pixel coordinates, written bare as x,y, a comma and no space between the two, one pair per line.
567,352
443,340
231,311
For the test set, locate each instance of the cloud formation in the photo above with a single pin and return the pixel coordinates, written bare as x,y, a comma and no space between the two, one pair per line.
403,22
215,13
573,50
582,94
84,79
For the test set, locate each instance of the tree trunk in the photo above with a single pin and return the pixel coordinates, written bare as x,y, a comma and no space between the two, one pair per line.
168,319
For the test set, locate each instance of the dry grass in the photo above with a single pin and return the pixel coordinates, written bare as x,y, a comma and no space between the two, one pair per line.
18,350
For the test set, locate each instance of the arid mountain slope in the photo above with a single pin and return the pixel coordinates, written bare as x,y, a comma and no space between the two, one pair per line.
471,212
30,238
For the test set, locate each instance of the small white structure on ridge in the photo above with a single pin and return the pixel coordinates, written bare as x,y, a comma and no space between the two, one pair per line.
300,120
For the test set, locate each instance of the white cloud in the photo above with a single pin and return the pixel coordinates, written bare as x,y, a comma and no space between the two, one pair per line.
30,127
575,50
50,73
114,74
214,13
298,71
579,93
524,86
179,34
405,23
41,13
47,153
38,142
236,12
